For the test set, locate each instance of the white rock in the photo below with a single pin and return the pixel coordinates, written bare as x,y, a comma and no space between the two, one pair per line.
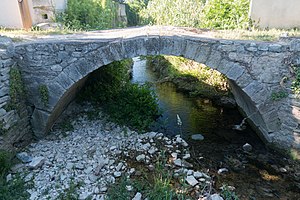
190,172
222,170
79,166
138,196
103,189
96,190
112,148
129,188
174,155
117,174
119,166
36,162
152,150
84,195
141,157
8,177
191,180
182,163
198,174
247,147
216,197
186,156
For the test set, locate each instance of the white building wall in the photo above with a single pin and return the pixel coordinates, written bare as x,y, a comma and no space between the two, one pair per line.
10,14
276,13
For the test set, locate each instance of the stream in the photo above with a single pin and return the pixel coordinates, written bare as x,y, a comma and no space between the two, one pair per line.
258,174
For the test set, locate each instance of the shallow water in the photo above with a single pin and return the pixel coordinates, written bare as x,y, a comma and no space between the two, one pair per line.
253,174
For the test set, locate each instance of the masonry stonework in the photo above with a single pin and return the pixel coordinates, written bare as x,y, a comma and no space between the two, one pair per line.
255,70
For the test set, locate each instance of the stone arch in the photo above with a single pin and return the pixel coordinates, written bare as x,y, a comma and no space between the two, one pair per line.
65,65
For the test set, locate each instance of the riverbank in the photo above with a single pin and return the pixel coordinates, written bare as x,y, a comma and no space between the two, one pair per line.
192,78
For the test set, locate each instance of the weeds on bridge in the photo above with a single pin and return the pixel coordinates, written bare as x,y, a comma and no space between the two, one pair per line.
16,89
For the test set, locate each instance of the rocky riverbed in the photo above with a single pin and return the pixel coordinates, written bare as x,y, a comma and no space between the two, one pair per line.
96,154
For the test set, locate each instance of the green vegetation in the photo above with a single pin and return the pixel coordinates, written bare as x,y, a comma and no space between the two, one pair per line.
44,94
226,14
90,14
296,81
158,184
16,89
70,193
190,76
276,96
2,129
66,125
173,12
215,14
16,188
126,103
227,194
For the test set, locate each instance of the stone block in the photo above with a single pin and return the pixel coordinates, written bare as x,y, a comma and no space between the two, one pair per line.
214,59
152,45
235,72
39,122
191,49
295,46
252,88
64,80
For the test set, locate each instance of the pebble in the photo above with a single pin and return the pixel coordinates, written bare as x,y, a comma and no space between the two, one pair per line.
216,197
36,162
24,157
197,137
138,196
191,180
182,163
129,188
8,177
141,158
222,170
247,147
117,174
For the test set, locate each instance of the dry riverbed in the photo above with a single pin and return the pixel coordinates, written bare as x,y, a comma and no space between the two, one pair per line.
97,159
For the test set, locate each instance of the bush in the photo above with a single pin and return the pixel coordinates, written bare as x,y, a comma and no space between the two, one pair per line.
217,14
226,14
126,103
173,12
135,106
90,14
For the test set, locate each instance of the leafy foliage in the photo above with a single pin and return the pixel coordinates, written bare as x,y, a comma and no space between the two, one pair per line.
276,96
296,81
226,14
217,14
193,77
14,189
16,89
173,12
44,94
90,14
126,103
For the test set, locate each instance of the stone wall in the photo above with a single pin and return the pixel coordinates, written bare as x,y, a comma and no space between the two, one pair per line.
15,130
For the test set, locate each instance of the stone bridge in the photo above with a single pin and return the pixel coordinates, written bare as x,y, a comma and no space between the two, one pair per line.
55,67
